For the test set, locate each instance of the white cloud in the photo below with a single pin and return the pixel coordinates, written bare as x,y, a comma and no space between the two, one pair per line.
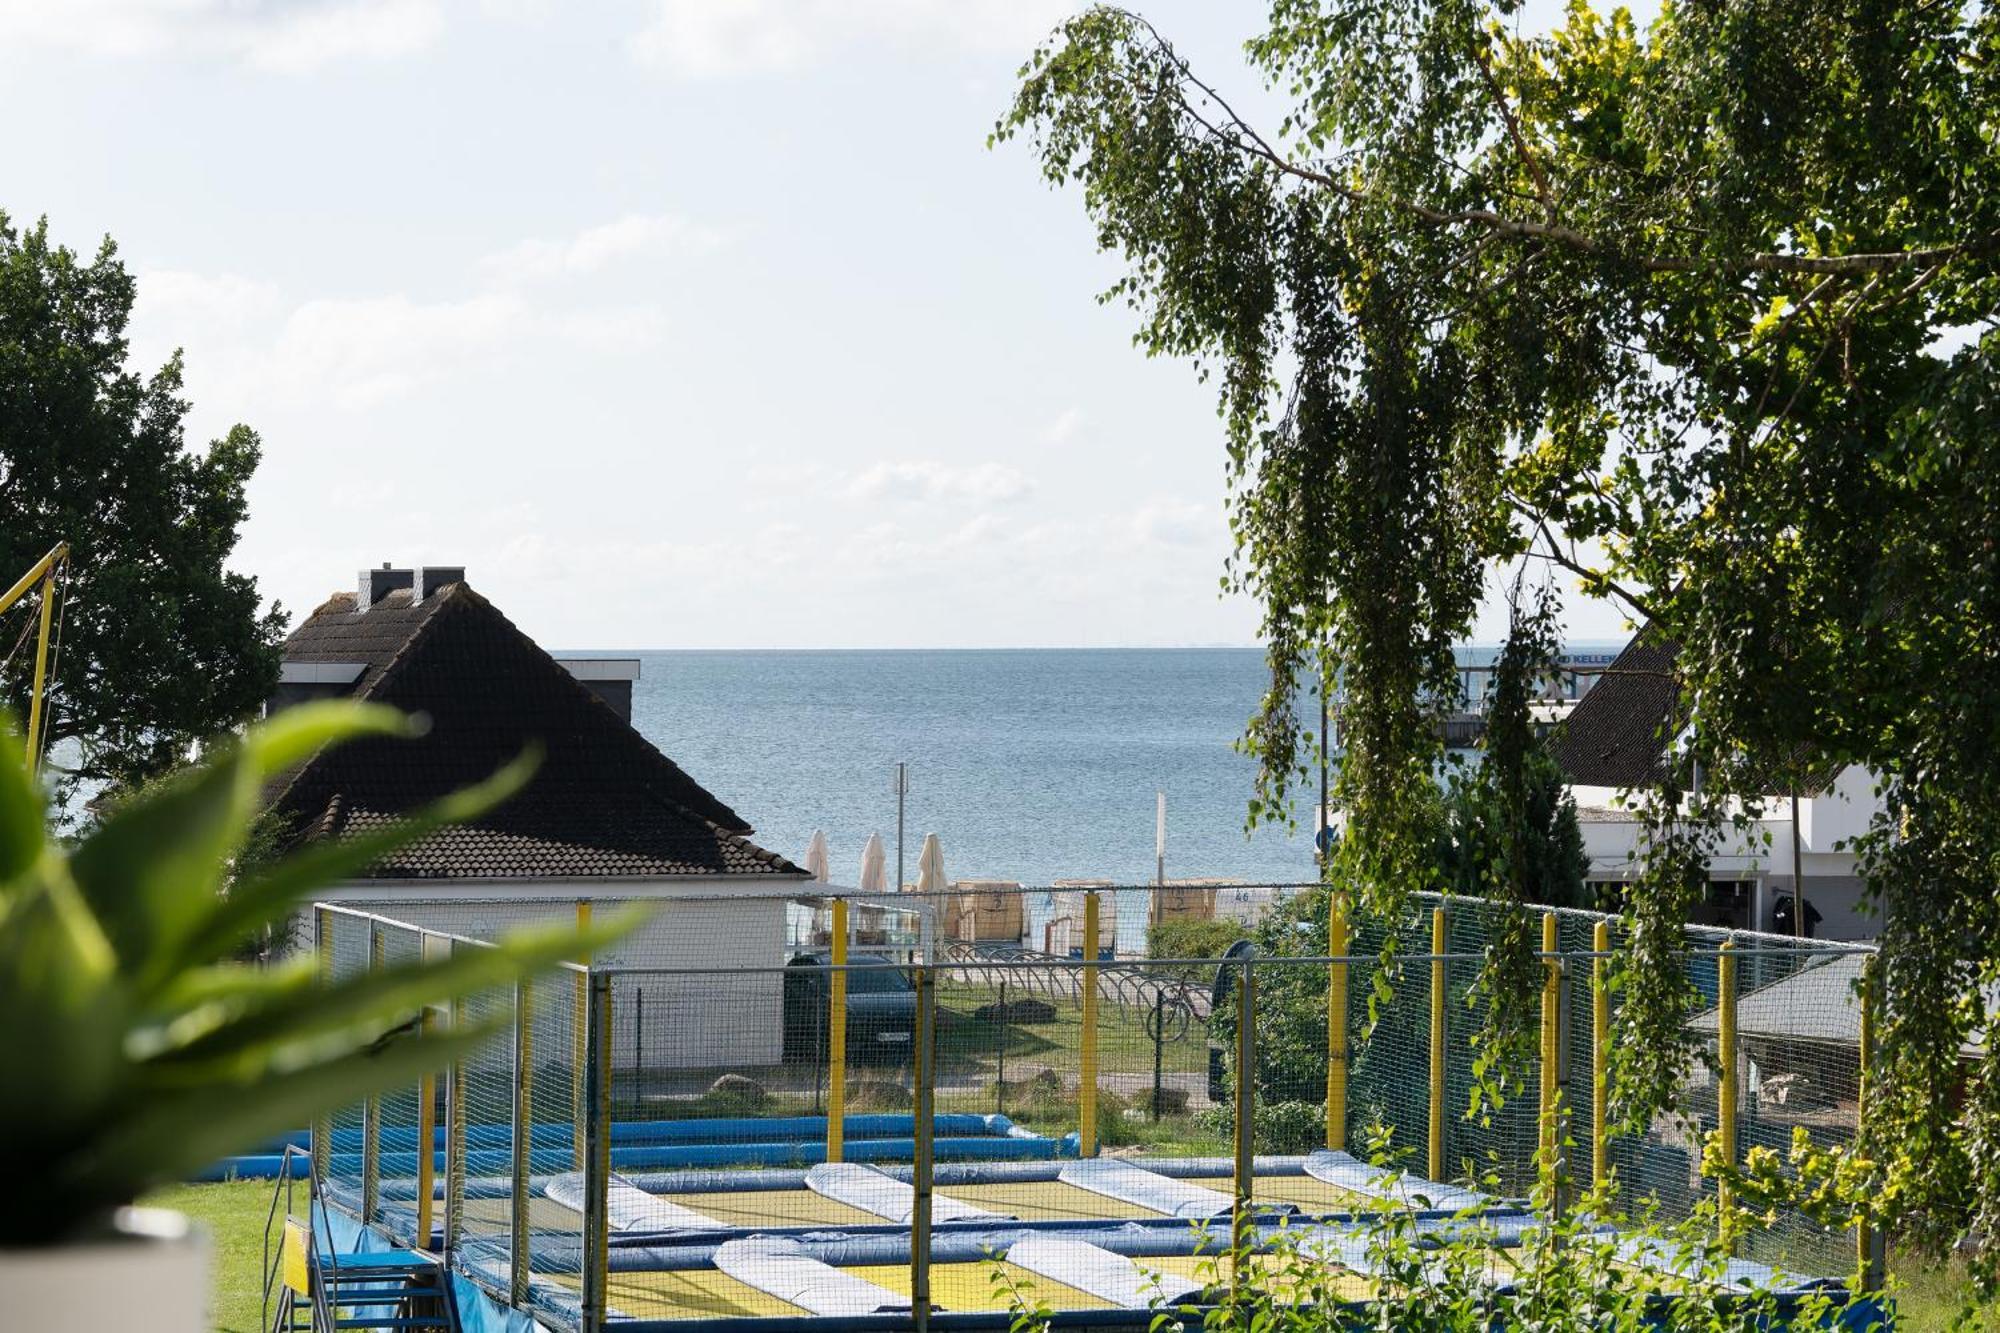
595,249
718,38
1063,429
357,353
931,480
1167,522
248,347
272,35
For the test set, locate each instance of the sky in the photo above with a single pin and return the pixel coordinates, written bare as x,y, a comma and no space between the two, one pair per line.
679,323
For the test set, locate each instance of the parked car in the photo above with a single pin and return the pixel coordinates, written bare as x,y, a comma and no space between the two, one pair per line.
881,1009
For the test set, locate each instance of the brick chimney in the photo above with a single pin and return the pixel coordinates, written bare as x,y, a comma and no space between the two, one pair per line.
375,584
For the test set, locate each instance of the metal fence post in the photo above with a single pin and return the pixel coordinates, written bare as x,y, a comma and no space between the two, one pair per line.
579,1030
1245,1167
371,1114
1868,1242
1725,1083
1551,1088
597,1151
1437,1044
322,1138
1600,1051
836,1037
523,1138
454,1139
427,1090
1336,1023
922,1169
1086,1091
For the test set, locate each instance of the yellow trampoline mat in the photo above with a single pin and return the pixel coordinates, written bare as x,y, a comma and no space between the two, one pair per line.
1039,1200
705,1293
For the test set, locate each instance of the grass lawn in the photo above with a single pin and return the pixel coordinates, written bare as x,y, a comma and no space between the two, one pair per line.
233,1214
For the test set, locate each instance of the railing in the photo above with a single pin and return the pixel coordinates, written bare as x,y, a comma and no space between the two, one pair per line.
893,1059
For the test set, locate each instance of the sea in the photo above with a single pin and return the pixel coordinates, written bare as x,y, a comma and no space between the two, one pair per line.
1029,764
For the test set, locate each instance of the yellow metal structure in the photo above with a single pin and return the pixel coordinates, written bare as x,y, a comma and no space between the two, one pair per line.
1725,1083
1086,1091
1600,1051
1867,1261
1336,1023
580,1035
836,1038
1437,1044
1551,1042
43,573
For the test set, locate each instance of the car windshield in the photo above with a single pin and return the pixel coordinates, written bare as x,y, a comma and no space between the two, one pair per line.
874,976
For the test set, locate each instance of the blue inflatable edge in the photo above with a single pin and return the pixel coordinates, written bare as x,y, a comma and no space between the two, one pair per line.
735,1141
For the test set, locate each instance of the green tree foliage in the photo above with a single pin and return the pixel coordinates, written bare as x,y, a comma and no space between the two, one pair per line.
1702,315
161,646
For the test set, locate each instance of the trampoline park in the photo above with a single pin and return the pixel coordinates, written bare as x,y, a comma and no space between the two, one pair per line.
569,1187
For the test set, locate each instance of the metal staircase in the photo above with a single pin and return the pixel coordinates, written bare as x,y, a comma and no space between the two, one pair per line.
308,1289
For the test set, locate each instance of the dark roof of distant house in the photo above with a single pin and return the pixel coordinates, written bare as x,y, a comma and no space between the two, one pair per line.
603,804
1614,735
1617,734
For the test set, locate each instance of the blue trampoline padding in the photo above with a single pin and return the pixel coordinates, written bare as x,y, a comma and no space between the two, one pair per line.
500,1161
721,1129
962,1172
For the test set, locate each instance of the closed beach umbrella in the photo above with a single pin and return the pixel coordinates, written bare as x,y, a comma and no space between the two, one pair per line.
874,863
816,858
930,866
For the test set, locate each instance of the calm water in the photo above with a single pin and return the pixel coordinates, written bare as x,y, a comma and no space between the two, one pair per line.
1029,765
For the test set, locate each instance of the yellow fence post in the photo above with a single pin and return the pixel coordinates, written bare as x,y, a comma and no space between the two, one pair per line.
923,1124
1336,1023
322,1138
836,1038
1600,1051
454,1133
1725,1083
1551,1046
429,948
426,1136
1437,1044
1086,1090
1244,1172
597,1154
522,1131
371,1111
580,1038
1867,1255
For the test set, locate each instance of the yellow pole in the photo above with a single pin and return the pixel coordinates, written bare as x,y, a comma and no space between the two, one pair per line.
1086,1091
1551,1049
322,1137
1437,1044
41,672
836,1038
1600,1051
1336,1024
1868,1275
426,1132
1725,1084
371,1111
580,1038
1244,1169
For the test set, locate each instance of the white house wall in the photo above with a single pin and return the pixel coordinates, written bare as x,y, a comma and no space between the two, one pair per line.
729,1015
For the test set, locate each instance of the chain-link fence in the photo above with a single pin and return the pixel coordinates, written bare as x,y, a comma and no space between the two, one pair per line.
815,1105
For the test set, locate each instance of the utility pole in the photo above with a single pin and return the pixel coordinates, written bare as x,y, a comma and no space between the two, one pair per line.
1159,855
902,791
1798,877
